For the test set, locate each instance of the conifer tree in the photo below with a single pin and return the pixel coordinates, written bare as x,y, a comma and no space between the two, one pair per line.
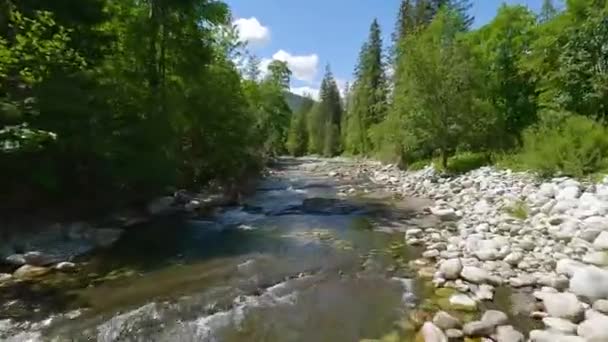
369,94
325,118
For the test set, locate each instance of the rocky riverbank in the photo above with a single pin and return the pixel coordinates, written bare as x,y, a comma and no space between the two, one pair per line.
501,228
31,250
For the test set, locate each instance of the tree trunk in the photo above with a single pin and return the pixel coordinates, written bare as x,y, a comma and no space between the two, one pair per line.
444,158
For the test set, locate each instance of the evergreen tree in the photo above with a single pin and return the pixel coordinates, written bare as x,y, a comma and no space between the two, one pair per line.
369,94
547,11
325,118
297,138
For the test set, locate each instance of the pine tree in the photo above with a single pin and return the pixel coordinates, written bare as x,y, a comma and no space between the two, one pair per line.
297,138
547,11
325,118
369,94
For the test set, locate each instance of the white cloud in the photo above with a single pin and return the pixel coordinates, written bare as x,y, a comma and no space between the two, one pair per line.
304,68
306,91
252,31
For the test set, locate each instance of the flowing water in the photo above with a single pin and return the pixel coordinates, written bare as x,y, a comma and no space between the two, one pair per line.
297,262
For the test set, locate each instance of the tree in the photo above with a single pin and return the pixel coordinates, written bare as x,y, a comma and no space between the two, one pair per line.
438,92
297,138
500,47
547,11
369,95
325,118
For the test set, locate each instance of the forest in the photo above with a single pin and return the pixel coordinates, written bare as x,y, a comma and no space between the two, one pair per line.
527,91
107,97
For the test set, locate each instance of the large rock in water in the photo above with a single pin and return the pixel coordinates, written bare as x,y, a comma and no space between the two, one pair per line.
450,269
595,329
563,305
27,272
38,259
590,282
431,333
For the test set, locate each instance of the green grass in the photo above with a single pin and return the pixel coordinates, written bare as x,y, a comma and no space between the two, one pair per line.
518,210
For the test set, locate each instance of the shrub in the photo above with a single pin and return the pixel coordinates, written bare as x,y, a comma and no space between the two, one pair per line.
467,161
518,210
573,146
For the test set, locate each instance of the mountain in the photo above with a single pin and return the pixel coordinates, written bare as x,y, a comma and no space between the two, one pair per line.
294,101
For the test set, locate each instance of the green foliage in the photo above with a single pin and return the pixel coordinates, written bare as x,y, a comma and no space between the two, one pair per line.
467,161
573,145
367,105
518,210
325,118
297,138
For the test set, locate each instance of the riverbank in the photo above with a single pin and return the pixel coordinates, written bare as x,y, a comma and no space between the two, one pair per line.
502,228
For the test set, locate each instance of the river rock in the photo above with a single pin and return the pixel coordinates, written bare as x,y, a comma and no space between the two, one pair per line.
431,333
445,321
30,272
454,334
36,258
590,282
567,267
563,305
495,318
514,258
594,329
478,329
507,333
484,292
596,258
15,259
4,277
65,266
430,254
475,275
463,302
551,336
560,325
445,214
601,242
450,269
601,305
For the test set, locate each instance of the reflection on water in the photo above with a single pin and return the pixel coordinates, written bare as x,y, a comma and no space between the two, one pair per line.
255,273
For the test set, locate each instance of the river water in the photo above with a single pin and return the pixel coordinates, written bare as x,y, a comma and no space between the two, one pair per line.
298,262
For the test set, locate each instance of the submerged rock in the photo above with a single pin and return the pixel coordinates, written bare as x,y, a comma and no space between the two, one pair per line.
27,272
446,321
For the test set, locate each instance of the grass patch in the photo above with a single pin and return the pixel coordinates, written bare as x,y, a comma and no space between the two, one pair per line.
518,210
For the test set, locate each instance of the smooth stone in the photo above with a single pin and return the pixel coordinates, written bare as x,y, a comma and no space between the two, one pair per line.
567,267
454,334
474,275
463,302
495,317
4,277
507,333
15,259
590,282
484,292
522,280
594,329
486,254
589,234
560,325
514,258
478,329
601,242
445,321
563,305
431,254
447,214
29,272
601,305
559,282
432,333
550,336
450,269
596,258
36,258
65,266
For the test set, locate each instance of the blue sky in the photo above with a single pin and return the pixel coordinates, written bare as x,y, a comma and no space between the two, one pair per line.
309,34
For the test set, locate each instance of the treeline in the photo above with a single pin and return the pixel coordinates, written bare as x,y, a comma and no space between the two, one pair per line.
100,97
529,90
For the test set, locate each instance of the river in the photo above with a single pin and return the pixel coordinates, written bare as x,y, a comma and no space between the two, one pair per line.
306,258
